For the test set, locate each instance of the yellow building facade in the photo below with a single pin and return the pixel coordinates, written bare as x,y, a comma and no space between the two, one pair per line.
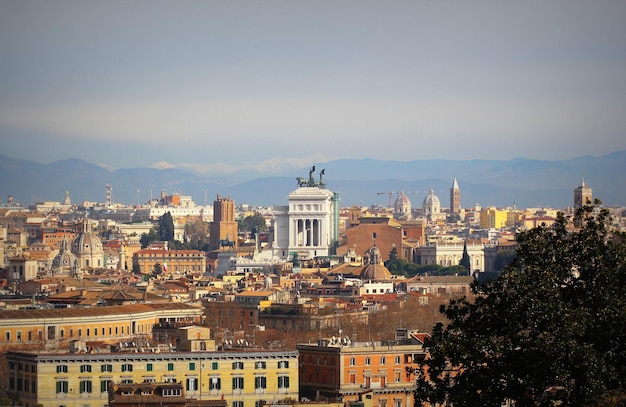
53,327
171,261
493,218
241,378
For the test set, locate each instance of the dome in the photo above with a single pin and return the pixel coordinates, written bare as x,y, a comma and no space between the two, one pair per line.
64,262
431,199
375,270
403,204
87,247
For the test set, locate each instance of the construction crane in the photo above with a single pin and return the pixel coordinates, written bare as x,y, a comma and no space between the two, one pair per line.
390,193
390,196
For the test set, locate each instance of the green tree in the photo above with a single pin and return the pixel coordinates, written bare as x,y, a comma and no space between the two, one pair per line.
197,234
253,222
393,254
147,238
157,269
166,227
503,260
550,329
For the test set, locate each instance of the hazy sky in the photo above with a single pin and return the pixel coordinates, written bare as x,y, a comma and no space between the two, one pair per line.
233,83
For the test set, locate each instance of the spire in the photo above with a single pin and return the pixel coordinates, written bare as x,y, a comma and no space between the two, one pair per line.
465,259
455,185
582,182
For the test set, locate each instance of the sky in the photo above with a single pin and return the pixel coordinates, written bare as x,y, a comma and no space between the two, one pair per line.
219,85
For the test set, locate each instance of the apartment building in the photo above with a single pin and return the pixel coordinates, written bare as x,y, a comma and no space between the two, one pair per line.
241,378
171,261
54,327
339,369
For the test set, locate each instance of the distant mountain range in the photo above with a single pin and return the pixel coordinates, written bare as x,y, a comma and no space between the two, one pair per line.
364,182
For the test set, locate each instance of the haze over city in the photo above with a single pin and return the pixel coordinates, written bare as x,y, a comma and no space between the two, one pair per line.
223,85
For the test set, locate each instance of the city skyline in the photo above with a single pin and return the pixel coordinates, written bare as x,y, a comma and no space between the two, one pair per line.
217,86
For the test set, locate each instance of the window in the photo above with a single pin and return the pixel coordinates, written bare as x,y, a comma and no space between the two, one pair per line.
260,365
85,386
106,368
237,383
7,336
172,392
382,360
104,385
237,403
215,383
192,366
397,360
237,365
61,368
283,364
170,367
192,384
149,367
283,382
85,368
62,386
352,362
127,367
367,361
214,366
397,402
260,383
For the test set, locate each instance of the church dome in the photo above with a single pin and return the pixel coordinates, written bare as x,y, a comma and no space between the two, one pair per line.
64,262
375,270
431,199
403,204
87,247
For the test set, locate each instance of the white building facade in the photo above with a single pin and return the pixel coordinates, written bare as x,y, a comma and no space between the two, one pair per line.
308,225
450,254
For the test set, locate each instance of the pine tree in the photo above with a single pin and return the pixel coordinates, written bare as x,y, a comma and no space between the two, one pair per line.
166,227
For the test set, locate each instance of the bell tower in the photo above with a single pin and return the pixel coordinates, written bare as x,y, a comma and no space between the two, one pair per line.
455,197
583,195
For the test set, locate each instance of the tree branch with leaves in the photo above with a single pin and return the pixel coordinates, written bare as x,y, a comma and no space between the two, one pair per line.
550,329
